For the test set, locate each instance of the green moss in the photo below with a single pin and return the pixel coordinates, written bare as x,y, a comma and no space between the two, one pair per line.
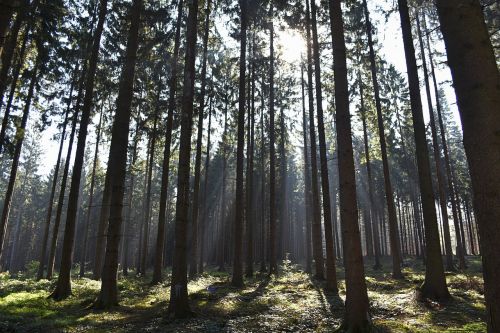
291,301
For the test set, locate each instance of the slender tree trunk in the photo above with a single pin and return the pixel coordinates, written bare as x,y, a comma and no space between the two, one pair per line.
434,285
331,278
3,82
263,228
20,134
60,200
317,237
147,206
437,159
126,231
63,287
45,239
91,196
356,317
371,203
117,163
7,52
389,195
250,217
273,267
160,237
179,304
307,178
197,168
221,234
204,209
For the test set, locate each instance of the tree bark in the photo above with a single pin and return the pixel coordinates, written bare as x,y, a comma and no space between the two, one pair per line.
45,239
307,178
356,317
117,163
193,266
317,237
331,278
91,195
443,202
20,134
160,237
434,285
63,287
273,267
179,304
477,85
389,195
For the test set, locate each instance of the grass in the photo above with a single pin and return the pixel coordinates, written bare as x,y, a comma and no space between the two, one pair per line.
290,302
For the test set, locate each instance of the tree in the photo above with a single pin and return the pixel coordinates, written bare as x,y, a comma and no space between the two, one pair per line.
356,316
117,164
434,285
273,267
331,278
317,238
63,286
197,168
389,195
17,153
179,306
237,278
160,239
477,85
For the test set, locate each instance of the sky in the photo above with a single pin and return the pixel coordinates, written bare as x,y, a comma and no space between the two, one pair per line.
388,34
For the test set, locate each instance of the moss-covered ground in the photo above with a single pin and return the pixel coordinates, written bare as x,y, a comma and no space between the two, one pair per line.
290,302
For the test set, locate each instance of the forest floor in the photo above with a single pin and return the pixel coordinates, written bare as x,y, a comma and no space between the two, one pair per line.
290,302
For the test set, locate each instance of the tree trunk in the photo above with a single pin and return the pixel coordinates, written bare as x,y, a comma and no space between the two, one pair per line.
149,175
331,278
237,278
91,195
193,267
15,77
273,267
20,134
205,192
126,232
477,85
160,237
389,195
317,237
63,287
7,52
307,177
371,201
250,216
179,304
117,163
356,317
60,200
43,253
443,202
434,285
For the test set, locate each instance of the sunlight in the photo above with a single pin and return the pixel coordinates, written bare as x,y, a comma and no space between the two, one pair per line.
292,45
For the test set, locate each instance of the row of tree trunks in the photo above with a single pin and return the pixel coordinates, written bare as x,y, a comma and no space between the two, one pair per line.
63,287
331,278
20,134
317,237
434,285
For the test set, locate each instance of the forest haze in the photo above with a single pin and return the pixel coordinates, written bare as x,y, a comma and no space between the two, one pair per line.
250,166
